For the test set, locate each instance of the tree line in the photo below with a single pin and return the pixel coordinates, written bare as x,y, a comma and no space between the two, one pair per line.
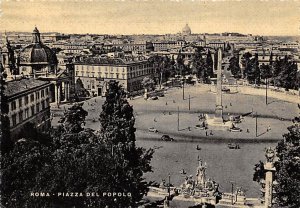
201,65
280,72
73,158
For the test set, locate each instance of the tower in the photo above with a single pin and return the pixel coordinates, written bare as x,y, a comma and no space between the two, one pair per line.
36,37
219,107
8,58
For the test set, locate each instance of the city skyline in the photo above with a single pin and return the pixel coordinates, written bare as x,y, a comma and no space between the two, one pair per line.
152,17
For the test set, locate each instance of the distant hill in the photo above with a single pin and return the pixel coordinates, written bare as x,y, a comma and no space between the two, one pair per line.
284,38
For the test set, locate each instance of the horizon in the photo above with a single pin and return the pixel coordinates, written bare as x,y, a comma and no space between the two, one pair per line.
263,18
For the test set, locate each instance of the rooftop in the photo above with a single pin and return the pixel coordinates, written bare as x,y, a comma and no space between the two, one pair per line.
111,61
18,86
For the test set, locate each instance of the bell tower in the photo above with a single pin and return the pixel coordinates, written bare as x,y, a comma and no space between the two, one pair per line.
7,57
36,37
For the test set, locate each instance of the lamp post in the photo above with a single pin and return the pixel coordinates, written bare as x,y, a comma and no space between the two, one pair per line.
231,192
256,124
266,91
169,191
178,118
189,102
183,89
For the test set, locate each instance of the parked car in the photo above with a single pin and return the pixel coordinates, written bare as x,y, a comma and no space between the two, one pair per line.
166,138
235,129
152,129
225,89
233,146
153,98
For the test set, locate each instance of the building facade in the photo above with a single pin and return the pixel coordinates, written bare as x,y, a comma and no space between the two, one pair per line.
95,73
28,102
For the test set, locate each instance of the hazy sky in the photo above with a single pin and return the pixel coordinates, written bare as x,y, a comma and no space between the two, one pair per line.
149,17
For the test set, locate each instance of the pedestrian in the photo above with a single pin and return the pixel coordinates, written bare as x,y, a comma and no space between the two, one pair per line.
211,133
206,133
173,101
247,130
166,103
230,104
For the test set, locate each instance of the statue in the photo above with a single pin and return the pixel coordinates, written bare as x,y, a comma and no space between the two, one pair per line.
201,177
270,154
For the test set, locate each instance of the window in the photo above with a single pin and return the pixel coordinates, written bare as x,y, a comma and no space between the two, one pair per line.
37,95
26,100
37,107
43,104
31,97
13,105
20,102
43,93
21,116
32,110
47,91
117,75
26,113
14,119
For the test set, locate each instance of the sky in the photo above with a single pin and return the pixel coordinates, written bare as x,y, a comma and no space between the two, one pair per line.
257,17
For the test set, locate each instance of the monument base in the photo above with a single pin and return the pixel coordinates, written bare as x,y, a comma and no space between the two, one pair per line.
217,123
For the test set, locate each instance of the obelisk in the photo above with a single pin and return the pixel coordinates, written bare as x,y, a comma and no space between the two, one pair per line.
219,108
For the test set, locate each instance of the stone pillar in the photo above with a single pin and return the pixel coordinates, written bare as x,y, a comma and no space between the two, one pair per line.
58,94
68,91
219,108
269,169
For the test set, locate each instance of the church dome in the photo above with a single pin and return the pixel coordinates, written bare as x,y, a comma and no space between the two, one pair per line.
186,30
37,52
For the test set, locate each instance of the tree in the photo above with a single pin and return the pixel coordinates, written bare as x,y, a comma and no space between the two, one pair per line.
118,134
79,89
287,167
253,70
235,67
209,65
198,63
21,167
147,82
6,143
78,159
266,72
246,63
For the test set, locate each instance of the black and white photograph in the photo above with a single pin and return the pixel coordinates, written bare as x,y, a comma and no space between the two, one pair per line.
150,103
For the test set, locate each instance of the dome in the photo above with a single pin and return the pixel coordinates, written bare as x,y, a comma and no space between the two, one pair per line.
186,30
37,53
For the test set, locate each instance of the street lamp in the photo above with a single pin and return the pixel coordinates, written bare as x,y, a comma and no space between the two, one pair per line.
189,102
231,192
178,118
169,191
266,91
183,88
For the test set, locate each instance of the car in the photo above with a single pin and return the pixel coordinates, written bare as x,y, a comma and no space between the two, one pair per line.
225,89
152,129
233,146
153,98
235,129
166,138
